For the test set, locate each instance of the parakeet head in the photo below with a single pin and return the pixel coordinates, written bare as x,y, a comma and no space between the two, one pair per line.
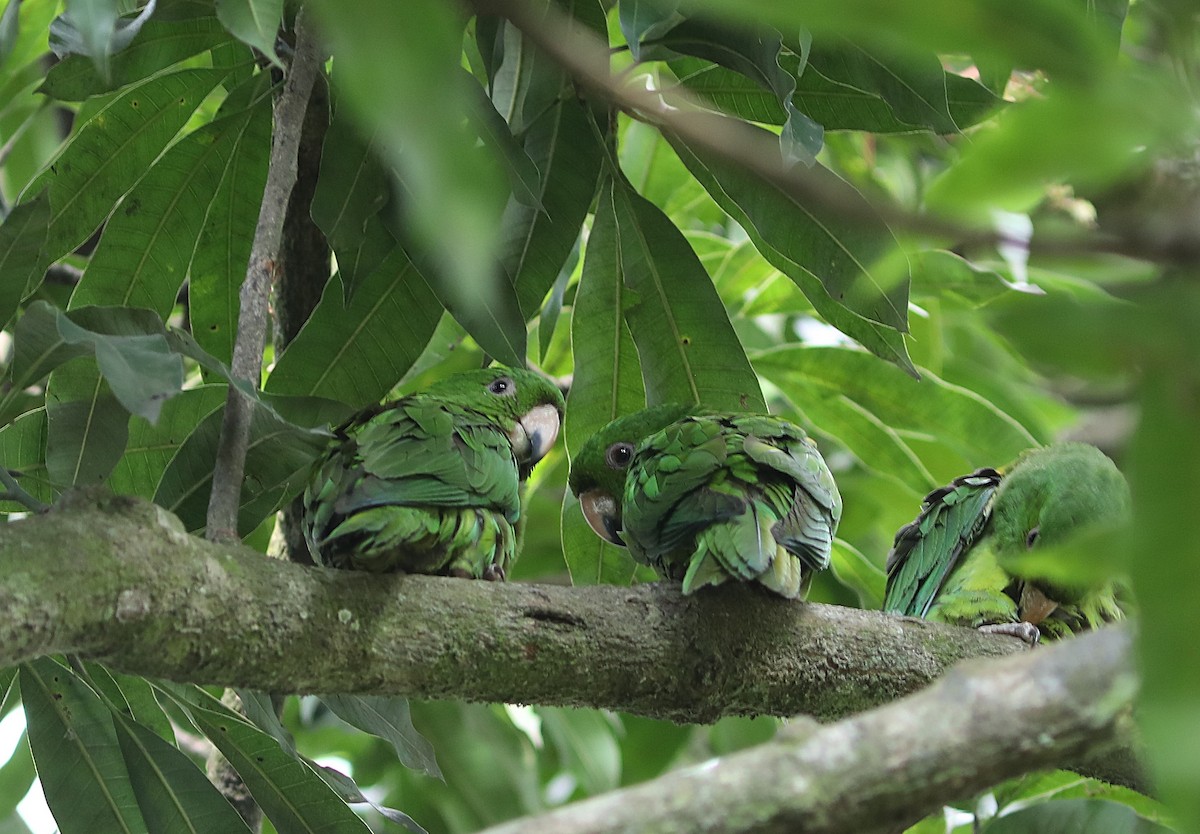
598,471
528,405
1053,492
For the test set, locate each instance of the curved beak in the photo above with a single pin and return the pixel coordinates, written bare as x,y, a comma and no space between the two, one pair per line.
533,435
603,515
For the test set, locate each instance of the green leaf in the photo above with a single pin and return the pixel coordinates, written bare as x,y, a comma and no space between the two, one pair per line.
349,791
351,191
254,22
586,743
356,354
389,719
173,794
294,799
913,87
147,247
86,428
111,151
16,778
23,450
937,411
607,381
535,243
160,43
858,573
75,748
151,446
38,347
260,710
494,131
647,20
389,60
277,464
1067,816
689,351
132,697
22,237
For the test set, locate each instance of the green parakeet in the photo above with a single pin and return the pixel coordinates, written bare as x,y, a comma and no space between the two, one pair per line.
947,564
706,497
430,483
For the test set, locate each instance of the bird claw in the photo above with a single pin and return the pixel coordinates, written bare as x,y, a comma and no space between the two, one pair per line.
1027,632
493,573
460,573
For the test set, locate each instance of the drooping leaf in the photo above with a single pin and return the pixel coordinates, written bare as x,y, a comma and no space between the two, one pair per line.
260,711
858,573
1066,816
161,43
389,719
587,744
86,427
175,797
688,350
254,22
647,20
75,748
356,354
351,793
22,237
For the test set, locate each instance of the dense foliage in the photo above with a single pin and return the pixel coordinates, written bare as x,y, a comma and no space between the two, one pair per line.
933,234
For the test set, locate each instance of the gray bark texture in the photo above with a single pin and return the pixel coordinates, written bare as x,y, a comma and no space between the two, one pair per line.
117,580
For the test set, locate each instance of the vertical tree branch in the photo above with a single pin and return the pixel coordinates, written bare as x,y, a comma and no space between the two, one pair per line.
255,293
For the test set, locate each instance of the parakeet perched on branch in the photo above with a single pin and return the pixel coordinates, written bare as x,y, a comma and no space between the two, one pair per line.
706,497
947,564
430,483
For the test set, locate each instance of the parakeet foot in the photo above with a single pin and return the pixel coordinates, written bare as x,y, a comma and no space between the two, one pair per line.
1025,631
493,573
460,573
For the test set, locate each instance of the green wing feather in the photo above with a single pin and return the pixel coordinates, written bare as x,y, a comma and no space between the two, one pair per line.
713,497
926,551
421,485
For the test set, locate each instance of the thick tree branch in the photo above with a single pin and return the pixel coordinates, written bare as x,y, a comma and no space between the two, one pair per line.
256,289
117,580
981,724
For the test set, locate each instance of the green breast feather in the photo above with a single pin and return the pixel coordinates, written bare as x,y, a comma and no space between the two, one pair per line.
430,483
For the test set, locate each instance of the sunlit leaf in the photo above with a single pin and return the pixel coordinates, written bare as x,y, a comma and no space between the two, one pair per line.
254,22
389,719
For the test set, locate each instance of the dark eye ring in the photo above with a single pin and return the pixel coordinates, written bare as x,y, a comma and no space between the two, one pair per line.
503,386
1031,538
619,454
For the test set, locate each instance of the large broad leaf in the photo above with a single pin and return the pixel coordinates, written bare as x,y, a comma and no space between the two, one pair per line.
112,150
949,416
175,797
689,351
131,697
160,44
536,241
388,61
75,747
277,463
23,452
647,20
389,719
86,427
356,354
295,799
150,447
22,237
146,249
852,272
94,28
587,745
351,191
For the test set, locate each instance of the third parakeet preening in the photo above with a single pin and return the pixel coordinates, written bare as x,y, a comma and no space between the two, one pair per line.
430,483
706,497
947,564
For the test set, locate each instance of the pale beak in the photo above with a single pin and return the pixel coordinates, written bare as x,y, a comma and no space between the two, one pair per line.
534,434
603,515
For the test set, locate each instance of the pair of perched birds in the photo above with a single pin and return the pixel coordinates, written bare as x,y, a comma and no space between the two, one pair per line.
430,483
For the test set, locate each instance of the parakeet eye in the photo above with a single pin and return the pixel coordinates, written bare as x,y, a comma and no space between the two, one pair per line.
618,455
1031,538
504,386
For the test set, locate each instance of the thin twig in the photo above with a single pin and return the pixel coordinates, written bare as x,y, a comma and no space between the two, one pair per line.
255,293
586,57
14,492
